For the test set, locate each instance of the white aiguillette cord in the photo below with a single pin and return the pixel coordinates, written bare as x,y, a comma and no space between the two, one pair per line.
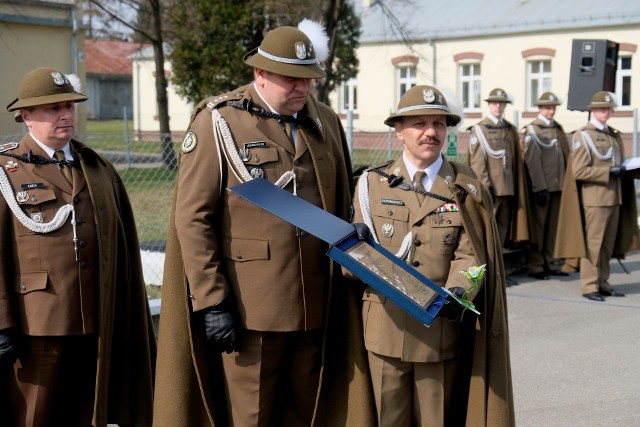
38,227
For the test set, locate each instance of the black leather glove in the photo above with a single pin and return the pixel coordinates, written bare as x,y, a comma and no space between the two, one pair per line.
362,230
452,309
617,170
8,347
542,198
222,326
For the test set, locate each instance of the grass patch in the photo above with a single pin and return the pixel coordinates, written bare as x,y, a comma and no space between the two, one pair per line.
154,291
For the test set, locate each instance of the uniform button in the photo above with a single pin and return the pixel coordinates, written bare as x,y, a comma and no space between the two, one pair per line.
448,221
298,186
76,201
419,223
79,221
296,163
34,199
82,243
417,242
303,233
23,287
390,213
416,263
83,265
238,256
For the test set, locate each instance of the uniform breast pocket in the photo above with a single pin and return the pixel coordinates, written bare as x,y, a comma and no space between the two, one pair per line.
446,232
262,162
29,282
38,204
392,224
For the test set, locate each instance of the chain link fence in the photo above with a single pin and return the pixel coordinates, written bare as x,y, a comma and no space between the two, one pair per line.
148,169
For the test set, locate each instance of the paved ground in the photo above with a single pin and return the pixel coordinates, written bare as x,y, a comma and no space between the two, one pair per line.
576,362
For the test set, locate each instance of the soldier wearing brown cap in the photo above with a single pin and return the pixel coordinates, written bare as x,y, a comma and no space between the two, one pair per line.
251,291
440,221
545,150
494,155
598,217
76,340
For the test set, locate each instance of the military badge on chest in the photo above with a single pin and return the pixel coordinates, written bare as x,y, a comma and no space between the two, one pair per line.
387,230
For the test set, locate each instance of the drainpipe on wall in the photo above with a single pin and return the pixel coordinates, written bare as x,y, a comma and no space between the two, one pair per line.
433,60
74,40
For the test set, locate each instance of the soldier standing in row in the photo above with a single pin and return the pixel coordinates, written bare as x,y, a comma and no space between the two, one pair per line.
598,217
77,344
494,155
545,152
441,223
250,311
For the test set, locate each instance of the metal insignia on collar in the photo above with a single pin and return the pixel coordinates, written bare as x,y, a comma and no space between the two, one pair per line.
449,239
396,171
387,230
448,179
319,123
22,196
257,173
473,189
11,166
245,154
37,217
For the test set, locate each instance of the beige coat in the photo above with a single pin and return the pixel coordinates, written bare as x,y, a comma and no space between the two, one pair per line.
108,260
281,279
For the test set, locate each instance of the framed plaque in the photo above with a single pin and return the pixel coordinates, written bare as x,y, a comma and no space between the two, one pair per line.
366,259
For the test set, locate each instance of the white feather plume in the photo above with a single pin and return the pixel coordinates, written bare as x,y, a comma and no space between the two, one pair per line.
318,36
75,82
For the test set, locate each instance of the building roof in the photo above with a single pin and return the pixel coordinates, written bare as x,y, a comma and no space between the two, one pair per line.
424,20
109,56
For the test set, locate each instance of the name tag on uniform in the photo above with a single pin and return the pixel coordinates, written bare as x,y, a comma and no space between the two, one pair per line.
257,144
31,185
392,202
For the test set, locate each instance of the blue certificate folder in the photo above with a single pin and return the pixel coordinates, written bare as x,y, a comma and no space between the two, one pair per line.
366,259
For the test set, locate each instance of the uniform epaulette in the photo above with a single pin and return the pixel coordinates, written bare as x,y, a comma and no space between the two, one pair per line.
380,166
9,146
217,101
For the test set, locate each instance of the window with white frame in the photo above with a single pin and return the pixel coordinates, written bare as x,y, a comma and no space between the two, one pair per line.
623,81
406,78
469,78
348,96
538,80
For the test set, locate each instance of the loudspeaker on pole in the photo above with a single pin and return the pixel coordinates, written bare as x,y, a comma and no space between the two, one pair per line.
593,68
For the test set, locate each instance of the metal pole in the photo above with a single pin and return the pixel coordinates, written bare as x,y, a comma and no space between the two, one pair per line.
389,143
515,119
350,131
635,133
127,141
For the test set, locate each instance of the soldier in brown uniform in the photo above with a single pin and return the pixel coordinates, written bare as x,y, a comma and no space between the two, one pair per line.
494,155
598,217
545,151
259,290
420,375
72,295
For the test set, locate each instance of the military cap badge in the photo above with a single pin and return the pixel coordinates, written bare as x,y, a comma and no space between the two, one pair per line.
58,78
428,96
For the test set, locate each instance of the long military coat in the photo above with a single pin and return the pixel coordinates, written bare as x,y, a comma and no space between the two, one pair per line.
499,166
483,393
595,188
119,310
219,244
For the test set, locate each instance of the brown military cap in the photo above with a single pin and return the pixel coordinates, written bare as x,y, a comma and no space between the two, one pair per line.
44,86
498,95
286,51
548,98
423,100
602,99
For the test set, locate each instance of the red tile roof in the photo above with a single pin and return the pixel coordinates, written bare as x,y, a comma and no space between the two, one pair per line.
109,57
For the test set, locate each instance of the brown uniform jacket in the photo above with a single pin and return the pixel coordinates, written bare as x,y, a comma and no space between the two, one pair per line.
502,172
281,280
483,394
39,296
588,183
440,250
545,151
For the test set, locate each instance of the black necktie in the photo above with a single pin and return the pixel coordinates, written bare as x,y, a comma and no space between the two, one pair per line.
64,168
